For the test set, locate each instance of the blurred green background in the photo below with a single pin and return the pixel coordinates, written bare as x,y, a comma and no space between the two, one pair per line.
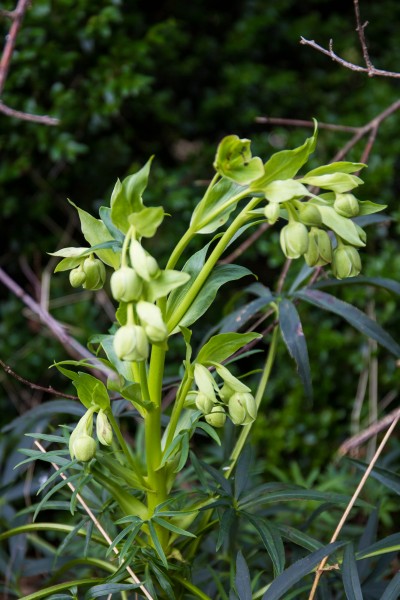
132,79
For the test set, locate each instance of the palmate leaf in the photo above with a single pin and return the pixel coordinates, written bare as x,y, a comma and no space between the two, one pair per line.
293,336
350,576
352,315
284,582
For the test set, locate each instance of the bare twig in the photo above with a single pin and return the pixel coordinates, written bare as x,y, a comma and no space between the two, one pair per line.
73,347
346,63
16,17
34,386
304,123
246,244
349,507
361,34
357,440
97,524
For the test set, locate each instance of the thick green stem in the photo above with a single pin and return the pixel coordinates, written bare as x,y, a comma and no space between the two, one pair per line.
259,395
216,254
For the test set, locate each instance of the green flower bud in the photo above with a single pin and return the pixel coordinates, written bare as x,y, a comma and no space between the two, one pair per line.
346,205
204,381
77,277
294,239
225,393
309,214
131,343
84,448
272,212
319,251
204,403
242,408
217,417
346,262
95,272
151,318
83,428
103,429
145,265
126,285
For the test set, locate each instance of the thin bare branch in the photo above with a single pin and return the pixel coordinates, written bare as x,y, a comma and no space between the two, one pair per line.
345,63
304,123
97,524
246,244
22,116
16,17
349,507
357,440
361,34
34,386
73,347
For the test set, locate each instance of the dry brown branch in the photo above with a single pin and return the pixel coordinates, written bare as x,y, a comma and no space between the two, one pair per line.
73,347
97,524
320,569
246,244
357,440
369,68
34,386
16,17
305,123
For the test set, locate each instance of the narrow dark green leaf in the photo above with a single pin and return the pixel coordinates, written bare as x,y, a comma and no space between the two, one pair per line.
167,525
47,410
184,453
242,471
209,430
299,537
272,541
225,526
293,336
242,315
387,284
352,315
388,478
392,592
297,571
391,543
157,544
218,477
242,578
351,580
106,589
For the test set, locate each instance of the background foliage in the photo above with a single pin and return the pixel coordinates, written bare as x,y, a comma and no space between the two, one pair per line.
129,80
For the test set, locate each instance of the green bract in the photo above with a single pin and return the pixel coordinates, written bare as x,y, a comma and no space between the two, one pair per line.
234,160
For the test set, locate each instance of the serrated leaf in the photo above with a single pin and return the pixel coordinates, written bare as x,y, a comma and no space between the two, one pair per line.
288,578
286,164
352,315
234,160
95,232
223,345
242,578
214,210
351,579
337,167
293,336
345,228
127,197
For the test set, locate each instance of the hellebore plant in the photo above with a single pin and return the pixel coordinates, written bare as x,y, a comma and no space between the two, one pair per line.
162,524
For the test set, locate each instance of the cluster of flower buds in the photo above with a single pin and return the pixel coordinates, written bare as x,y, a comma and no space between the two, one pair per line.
131,341
233,399
90,274
82,445
305,235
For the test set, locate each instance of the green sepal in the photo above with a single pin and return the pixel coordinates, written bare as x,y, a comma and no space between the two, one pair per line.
167,281
282,190
337,182
336,167
234,160
368,208
147,220
343,227
127,197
